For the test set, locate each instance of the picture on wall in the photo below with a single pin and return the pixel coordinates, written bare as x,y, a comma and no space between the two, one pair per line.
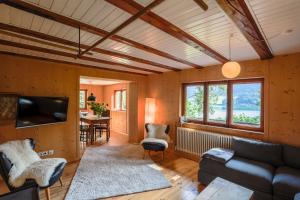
8,107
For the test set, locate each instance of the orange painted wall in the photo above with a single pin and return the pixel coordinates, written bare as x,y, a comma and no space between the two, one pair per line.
97,90
42,78
282,96
119,118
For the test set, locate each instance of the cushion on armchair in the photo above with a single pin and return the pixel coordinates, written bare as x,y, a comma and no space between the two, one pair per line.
26,164
155,141
157,131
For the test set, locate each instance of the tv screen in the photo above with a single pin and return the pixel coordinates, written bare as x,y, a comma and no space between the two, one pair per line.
34,111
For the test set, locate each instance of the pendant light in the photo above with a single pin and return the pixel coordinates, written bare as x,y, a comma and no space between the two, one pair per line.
231,69
91,97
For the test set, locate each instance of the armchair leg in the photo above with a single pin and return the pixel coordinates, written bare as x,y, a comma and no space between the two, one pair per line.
144,155
47,190
163,155
60,180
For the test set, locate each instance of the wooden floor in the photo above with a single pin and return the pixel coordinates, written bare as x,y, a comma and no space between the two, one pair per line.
181,172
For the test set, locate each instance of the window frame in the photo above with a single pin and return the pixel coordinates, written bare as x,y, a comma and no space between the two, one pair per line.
229,111
85,101
121,97
185,85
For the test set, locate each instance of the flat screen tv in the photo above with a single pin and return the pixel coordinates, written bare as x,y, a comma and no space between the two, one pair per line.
35,111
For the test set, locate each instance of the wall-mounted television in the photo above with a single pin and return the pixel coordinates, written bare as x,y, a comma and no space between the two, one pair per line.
35,111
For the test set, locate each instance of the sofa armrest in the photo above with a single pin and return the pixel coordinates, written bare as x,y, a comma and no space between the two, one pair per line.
219,154
26,193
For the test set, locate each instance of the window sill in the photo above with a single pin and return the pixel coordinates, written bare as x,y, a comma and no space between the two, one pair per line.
225,130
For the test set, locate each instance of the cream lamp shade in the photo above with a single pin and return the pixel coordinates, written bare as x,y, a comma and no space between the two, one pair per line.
231,69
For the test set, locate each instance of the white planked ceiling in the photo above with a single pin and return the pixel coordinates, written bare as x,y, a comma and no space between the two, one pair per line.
277,19
280,23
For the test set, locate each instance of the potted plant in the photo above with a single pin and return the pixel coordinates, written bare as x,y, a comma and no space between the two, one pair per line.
98,108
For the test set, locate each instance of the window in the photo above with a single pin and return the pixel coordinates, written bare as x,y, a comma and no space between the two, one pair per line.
246,104
234,103
194,100
120,100
217,103
82,99
124,100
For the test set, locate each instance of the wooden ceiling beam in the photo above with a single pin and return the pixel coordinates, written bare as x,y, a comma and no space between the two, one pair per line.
132,7
91,29
67,62
202,4
240,14
123,25
47,37
70,55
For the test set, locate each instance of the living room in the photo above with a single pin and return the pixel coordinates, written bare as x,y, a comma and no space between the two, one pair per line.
212,94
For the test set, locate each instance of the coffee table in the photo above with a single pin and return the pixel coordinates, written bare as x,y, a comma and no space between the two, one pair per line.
221,189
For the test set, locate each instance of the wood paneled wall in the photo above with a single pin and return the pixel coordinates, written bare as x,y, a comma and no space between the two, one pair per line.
282,96
32,77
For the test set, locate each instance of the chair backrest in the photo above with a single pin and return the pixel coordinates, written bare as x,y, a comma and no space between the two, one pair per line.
166,131
5,166
106,113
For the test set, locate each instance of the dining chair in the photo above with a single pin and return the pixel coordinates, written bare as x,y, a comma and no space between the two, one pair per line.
103,127
84,132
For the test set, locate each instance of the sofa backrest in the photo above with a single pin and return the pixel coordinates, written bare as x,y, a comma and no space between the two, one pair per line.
257,150
291,156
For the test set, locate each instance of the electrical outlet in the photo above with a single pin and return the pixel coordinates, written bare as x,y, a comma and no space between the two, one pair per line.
43,153
50,152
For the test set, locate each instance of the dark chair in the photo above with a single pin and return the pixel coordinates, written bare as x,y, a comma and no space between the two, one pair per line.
153,146
5,166
103,127
84,132
25,193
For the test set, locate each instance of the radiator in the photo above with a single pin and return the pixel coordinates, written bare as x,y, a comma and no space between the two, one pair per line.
197,141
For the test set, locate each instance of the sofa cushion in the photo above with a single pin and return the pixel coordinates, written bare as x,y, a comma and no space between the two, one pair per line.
291,156
252,174
257,150
248,173
286,182
297,196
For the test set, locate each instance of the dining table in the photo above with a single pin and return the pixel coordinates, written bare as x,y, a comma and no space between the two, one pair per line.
93,120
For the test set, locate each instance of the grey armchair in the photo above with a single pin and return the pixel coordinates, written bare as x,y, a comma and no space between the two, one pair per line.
5,166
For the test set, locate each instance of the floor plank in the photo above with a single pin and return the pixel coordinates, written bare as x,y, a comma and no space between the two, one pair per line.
181,172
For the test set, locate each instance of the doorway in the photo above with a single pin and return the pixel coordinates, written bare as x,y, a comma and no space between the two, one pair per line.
111,93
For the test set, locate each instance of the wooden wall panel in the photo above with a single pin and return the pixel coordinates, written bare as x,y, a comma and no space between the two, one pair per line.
282,95
32,77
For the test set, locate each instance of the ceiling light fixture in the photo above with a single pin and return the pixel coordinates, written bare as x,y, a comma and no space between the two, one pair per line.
231,69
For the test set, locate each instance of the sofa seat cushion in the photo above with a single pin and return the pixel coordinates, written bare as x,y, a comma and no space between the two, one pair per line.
252,174
286,182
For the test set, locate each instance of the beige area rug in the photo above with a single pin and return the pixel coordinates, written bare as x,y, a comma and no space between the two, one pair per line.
109,171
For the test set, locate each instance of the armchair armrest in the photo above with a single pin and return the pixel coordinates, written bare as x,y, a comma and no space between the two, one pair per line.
219,154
